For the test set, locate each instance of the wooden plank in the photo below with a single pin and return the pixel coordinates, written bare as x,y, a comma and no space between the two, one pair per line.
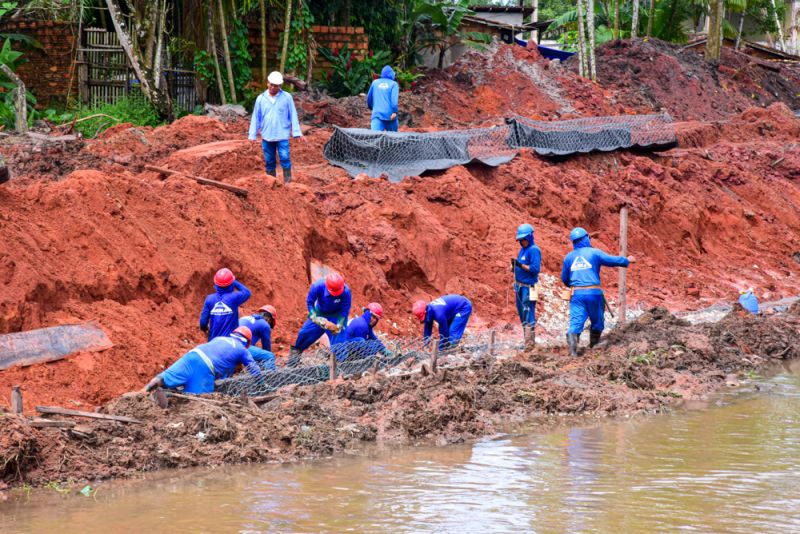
16,400
205,181
91,415
51,423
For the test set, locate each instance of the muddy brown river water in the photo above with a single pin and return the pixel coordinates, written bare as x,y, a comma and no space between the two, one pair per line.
731,466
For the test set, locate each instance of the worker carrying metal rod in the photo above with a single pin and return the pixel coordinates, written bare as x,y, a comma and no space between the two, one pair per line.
581,274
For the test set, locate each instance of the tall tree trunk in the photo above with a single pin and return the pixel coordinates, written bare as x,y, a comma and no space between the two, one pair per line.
616,19
150,32
590,27
650,18
157,96
20,100
581,41
212,44
714,42
263,5
635,20
794,26
286,27
739,33
226,51
781,40
159,49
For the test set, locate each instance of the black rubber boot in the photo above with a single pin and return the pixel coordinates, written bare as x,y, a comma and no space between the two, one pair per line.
287,175
572,343
272,173
594,337
294,357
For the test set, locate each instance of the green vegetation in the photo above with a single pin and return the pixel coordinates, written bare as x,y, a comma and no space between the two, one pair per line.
134,109
351,76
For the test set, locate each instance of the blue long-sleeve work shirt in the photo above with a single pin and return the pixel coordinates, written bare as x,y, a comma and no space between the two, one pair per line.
225,353
334,308
221,309
276,121
359,329
383,95
532,257
582,266
260,328
443,310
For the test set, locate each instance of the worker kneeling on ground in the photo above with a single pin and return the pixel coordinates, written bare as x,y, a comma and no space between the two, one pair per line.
261,324
450,312
328,304
382,99
526,277
220,313
197,369
748,301
358,340
581,273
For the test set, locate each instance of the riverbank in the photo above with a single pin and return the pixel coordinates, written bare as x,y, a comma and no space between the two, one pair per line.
654,363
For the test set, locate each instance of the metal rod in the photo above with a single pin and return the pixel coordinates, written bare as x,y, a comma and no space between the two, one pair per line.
623,272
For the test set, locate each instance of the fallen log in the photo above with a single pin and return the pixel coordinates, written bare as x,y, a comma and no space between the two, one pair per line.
205,181
91,415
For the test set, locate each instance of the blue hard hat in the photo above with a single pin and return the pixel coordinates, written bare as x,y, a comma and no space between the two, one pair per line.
577,233
524,230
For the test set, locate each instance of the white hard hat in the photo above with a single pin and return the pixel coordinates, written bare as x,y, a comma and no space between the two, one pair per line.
275,78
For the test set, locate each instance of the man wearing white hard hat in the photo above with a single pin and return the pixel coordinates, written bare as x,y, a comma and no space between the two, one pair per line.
275,118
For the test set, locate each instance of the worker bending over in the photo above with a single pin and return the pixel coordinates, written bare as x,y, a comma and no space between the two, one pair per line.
450,312
220,313
197,369
358,340
526,275
261,324
328,304
581,273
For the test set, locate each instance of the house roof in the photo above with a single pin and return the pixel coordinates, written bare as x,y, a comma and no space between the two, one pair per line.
528,26
526,11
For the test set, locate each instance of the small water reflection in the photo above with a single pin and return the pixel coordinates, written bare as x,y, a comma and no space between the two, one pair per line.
731,468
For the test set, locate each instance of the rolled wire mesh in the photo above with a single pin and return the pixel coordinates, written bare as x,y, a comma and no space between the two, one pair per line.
400,154
354,358
591,133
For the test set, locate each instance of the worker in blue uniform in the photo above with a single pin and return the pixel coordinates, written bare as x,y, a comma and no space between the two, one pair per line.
526,268
450,312
358,339
261,324
197,370
220,313
328,304
382,99
581,273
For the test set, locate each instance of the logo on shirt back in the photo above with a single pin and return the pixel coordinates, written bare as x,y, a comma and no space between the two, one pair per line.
580,264
439,302
383,85
220,308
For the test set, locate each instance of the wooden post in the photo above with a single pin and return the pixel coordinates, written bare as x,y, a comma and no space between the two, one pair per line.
435,358
623,272
332,365
491,343
20,100
16,400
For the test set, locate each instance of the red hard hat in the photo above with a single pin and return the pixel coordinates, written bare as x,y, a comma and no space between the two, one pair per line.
335,284
224,278
419,308
376,309
270,309
244,332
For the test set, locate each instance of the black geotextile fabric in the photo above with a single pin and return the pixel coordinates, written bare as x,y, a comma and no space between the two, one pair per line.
411,153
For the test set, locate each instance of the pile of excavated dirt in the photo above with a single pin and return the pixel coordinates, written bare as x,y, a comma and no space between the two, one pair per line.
654,361
88,233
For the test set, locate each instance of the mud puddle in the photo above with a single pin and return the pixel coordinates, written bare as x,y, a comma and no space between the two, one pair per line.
728,468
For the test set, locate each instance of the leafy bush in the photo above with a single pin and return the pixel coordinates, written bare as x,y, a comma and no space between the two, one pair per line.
134,109
407,79
351,76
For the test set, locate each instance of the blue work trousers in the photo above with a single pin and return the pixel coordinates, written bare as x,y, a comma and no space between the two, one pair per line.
378,125
526,308
282,149
457,327
586,305
264,358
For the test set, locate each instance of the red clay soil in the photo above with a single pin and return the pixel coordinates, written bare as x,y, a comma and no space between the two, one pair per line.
654,361
89,234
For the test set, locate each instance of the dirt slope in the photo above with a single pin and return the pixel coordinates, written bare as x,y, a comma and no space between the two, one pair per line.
88,233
